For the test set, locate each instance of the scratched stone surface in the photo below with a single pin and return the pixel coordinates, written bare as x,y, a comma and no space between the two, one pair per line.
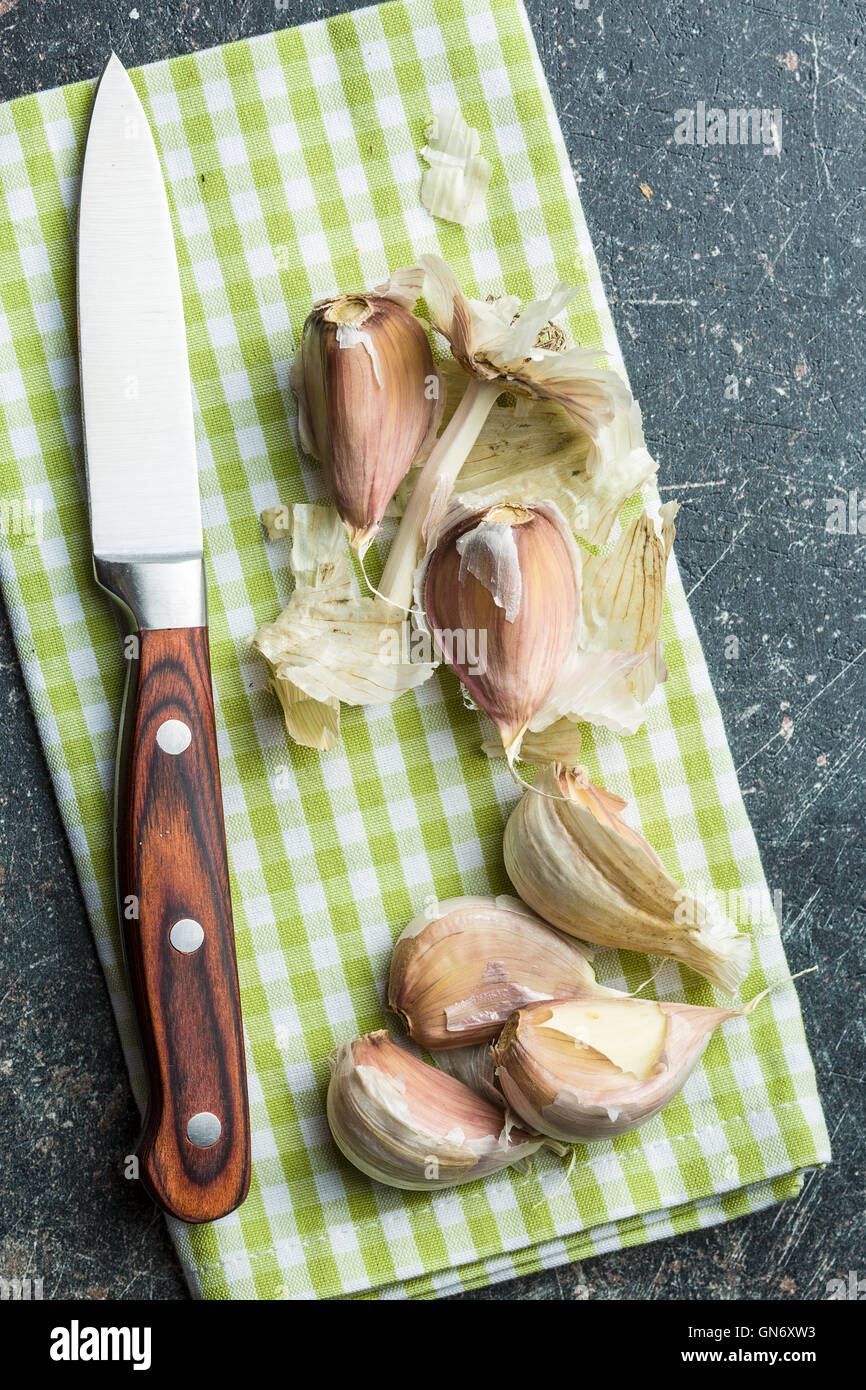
735,284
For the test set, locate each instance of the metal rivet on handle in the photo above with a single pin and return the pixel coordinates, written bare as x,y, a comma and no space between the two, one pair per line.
173,736
203,1129
186,935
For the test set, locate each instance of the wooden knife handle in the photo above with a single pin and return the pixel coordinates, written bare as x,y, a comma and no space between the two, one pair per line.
173,886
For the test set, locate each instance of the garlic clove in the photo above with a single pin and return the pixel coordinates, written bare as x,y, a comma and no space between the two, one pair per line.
459,970
412,1126
500,589
581,867
583,1070
368,397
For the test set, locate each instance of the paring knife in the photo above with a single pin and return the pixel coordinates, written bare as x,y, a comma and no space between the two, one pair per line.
145,514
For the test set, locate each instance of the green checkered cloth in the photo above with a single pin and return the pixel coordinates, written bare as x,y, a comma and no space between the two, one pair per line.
292,168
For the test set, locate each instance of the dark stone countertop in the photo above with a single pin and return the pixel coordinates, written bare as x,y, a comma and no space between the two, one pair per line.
736,293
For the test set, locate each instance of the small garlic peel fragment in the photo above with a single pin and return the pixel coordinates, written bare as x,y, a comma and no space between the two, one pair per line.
455,185
490,554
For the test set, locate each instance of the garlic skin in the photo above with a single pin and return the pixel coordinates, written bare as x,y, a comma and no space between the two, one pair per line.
504,347
409,1125
473,1066
505,341
368,397
565,1087
461,968
623,597
500,590
530,448
331,646
576,862
455,185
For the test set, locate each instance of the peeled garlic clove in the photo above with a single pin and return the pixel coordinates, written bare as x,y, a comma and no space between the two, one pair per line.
500,589
460,969
368,399
578,1070
409,1125
576,862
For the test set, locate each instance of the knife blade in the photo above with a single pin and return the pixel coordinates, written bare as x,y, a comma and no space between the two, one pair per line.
145,513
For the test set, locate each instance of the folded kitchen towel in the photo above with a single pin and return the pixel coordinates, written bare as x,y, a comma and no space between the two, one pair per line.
292,169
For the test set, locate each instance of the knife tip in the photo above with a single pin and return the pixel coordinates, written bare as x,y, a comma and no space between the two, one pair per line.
112,64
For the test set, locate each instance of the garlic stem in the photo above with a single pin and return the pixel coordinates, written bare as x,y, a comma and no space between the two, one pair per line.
434,486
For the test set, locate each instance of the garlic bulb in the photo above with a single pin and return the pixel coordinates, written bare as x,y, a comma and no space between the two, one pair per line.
460,969
576,862
500,589
578,1070
409,1125
368,397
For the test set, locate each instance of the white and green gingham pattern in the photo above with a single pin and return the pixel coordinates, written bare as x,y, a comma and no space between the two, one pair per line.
292,169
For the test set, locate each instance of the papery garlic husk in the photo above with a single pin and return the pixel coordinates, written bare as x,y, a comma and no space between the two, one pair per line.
560,742
368,397
331,646
576,862
500,590
529,448
462,967
511,342
473,1065
579,1070
623,599
410,1125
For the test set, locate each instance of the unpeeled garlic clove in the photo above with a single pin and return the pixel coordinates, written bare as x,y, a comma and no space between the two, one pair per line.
582,1070
368,397
409,1125
461,968
576,862
500,589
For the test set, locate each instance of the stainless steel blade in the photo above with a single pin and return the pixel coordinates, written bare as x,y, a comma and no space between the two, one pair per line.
138,428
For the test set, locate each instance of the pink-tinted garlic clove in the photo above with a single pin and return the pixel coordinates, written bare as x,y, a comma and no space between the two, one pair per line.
501,594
